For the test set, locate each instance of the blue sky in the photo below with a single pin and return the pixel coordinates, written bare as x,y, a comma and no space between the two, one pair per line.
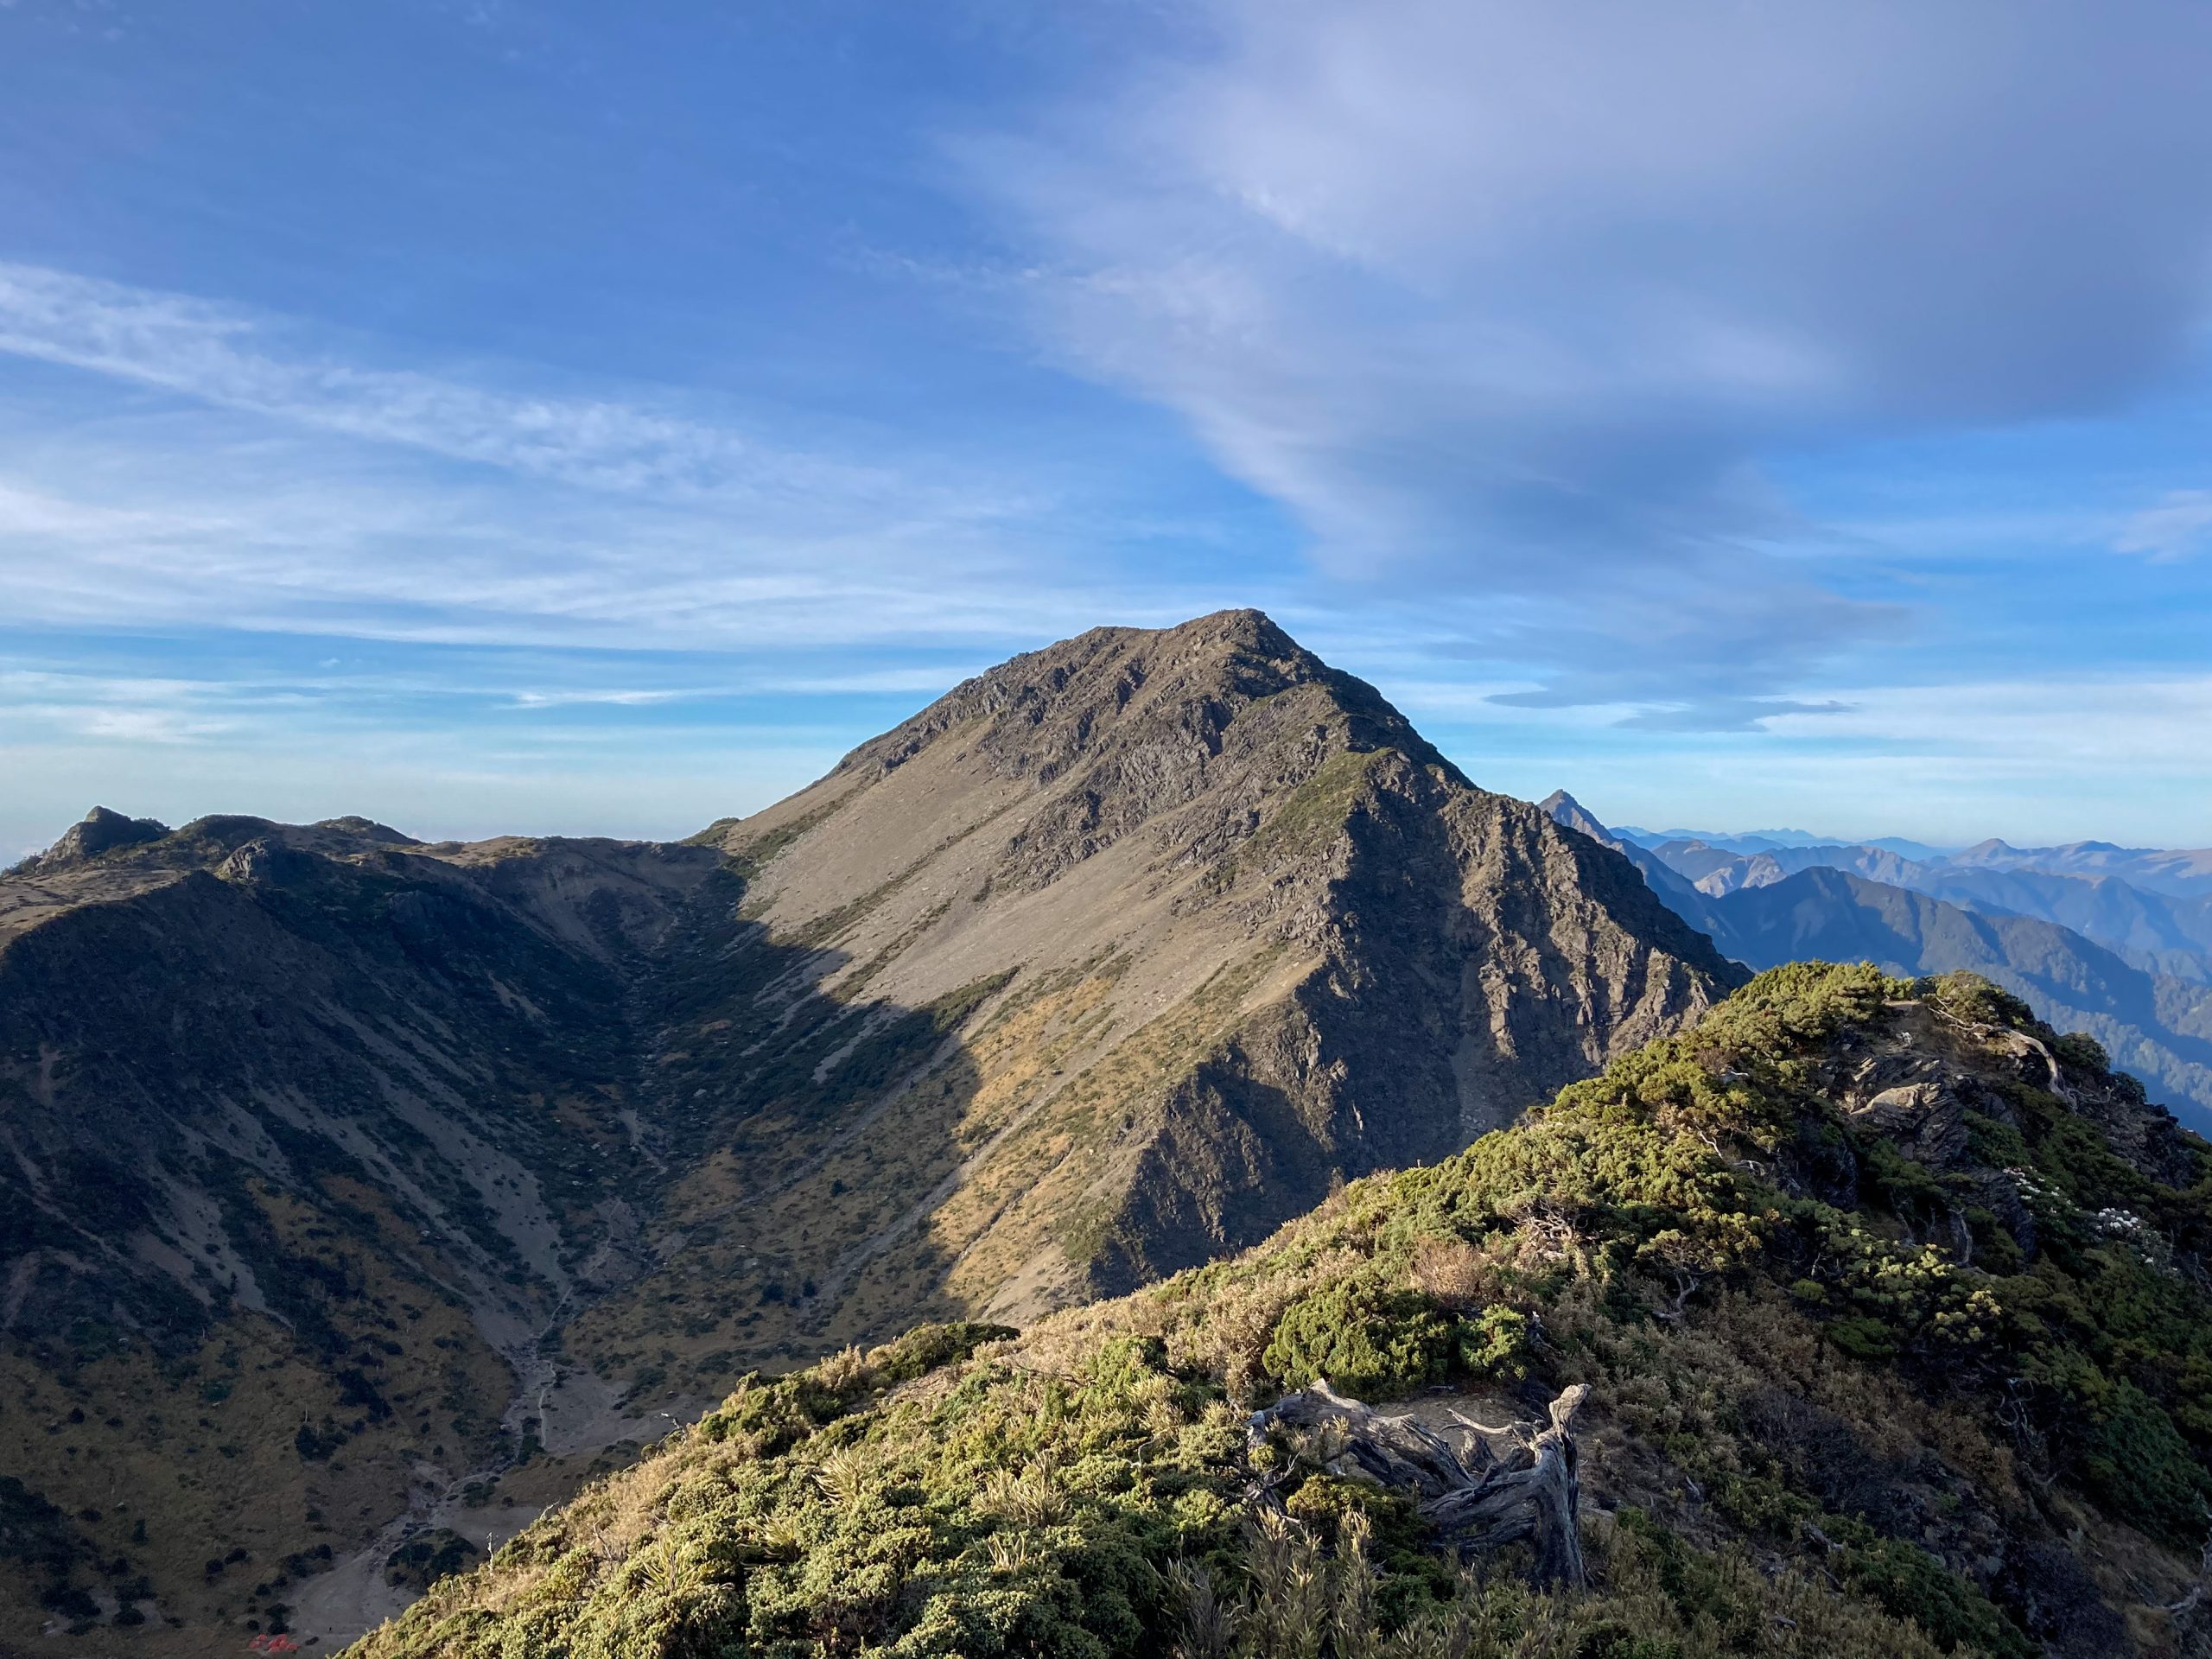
518,416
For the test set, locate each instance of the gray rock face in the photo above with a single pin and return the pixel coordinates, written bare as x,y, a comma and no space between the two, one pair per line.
1925,1118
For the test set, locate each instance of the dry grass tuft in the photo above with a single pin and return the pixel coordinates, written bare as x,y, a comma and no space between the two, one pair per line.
1454,1274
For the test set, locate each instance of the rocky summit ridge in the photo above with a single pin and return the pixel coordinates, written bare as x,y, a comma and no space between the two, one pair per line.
363,1193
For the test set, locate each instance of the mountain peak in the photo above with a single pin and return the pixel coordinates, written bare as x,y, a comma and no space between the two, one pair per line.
1107,690
368,828
1107,963
1244,625
1562,808
1214,839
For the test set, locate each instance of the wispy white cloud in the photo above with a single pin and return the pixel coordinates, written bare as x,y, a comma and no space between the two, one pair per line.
2038,760
1508,303
2179,525
617,699
147,725
283,545
2083,727
286,486
238,359
255,519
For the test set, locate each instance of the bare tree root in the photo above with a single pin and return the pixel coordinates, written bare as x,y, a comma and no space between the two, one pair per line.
1478,1499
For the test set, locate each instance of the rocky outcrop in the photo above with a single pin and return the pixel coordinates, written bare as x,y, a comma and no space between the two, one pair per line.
102,831
1474,1500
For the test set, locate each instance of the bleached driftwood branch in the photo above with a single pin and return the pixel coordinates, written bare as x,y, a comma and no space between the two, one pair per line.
1477,1499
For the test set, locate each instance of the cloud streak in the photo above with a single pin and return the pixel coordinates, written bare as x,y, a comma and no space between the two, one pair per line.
237,359
1510,302
278,547
2177,527
318,496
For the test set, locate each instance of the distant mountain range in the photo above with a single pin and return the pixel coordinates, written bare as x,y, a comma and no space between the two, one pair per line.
2111,940
2152,906
1764,840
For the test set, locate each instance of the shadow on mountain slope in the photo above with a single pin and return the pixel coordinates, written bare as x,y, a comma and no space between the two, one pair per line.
311,1155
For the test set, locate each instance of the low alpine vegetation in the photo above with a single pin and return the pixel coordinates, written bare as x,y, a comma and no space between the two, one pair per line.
1890,1305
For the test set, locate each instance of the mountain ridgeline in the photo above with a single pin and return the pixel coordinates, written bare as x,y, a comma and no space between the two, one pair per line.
363,1195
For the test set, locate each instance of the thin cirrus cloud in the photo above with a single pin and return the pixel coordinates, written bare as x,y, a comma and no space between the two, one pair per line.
1516,300
2179,525
235,359
576,520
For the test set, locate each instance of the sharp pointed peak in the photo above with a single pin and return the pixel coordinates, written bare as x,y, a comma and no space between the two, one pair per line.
1562,808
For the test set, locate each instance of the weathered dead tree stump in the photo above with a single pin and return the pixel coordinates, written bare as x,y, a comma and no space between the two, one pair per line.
1478,1499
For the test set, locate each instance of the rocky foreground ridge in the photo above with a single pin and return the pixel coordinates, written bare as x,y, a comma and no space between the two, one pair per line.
359,1191
1867,1319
